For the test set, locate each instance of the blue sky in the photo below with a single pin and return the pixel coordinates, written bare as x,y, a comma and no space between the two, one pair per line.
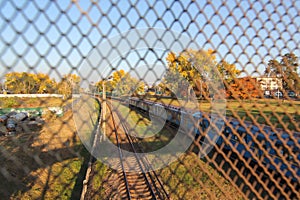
57,37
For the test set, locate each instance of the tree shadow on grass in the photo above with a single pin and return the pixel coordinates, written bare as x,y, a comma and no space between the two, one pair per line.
35,171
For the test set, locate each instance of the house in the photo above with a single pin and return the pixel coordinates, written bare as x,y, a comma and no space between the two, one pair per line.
269,84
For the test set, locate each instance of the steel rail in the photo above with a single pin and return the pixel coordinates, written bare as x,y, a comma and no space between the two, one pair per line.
137,158
146,162
121,158
156,176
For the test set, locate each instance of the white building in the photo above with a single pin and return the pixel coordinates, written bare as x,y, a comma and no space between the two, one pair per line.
269,83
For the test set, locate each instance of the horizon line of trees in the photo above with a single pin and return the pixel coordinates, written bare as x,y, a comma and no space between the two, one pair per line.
198,70
39,83
188,71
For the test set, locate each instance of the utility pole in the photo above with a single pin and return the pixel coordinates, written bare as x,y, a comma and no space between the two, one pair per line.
201,95
104,109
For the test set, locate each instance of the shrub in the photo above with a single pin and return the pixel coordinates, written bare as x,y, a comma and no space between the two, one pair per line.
9,102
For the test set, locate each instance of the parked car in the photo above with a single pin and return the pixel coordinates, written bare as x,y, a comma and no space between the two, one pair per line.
278,94
292,94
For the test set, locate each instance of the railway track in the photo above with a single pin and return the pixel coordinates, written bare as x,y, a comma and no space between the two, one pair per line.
140,184
137,181
216,157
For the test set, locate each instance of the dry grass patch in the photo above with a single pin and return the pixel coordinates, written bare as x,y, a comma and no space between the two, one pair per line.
42,162
18,102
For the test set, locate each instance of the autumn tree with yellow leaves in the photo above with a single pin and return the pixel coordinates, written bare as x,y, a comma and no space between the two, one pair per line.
198,71
228,72
28,83
121,83
69,85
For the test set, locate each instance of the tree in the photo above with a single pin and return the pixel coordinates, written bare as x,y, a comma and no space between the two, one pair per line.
74,81
289,63
108,85
121,83
200,70
28,83
285,69
228,72
243,88
46,85
21,83
273,69
182,74
68,85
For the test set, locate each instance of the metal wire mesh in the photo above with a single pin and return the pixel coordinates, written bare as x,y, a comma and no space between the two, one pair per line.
254,46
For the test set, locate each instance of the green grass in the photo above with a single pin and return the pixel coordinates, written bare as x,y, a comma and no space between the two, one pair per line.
191,178
139,125
61,178
26,102
61,181
187,178
53,181
272,112
100,170
96,183
9,102
153,135
37,164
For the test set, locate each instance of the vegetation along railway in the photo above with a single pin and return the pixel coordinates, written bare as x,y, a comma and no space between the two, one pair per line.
261,150
135,179
270,152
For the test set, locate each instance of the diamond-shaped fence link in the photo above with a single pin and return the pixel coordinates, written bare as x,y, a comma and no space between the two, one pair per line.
149,99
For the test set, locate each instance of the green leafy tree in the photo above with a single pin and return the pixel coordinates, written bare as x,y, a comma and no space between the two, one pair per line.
289,63
286,69
273,69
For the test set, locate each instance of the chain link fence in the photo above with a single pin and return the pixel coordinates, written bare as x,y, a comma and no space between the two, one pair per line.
234,64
